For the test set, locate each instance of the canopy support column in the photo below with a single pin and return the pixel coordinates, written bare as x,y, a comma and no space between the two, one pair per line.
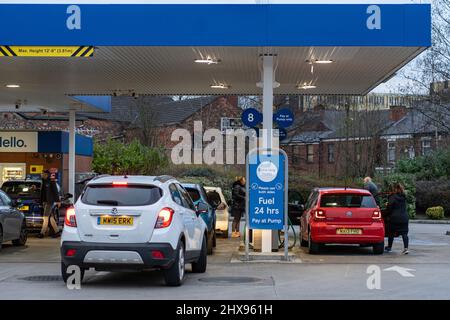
268,75
72,121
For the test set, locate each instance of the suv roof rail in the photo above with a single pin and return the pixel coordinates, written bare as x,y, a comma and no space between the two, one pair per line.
163,178
97,177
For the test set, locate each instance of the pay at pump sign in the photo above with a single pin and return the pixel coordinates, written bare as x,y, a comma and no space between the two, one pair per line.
266,188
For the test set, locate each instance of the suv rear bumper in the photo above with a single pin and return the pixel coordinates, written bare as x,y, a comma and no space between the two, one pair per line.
144,250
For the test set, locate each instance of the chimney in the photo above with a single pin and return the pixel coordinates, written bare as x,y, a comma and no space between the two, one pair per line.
232,100
397,113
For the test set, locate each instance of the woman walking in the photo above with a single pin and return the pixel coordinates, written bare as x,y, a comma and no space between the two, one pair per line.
398,218
238,208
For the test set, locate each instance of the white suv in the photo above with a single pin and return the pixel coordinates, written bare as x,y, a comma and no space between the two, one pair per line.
134,222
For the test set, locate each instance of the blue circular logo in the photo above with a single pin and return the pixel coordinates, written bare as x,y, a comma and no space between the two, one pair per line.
284,118
251,117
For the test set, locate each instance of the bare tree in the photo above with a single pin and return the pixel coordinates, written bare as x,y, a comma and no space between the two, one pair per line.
145,120
428,73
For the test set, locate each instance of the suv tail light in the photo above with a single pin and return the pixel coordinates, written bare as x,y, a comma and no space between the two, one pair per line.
376,215
70,220
164,218
319,214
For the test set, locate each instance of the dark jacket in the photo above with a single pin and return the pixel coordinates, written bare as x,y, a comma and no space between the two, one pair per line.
397,214
49,191
372,188
238,197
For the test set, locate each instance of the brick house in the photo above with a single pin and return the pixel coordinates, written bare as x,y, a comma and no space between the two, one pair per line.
171,115
334,142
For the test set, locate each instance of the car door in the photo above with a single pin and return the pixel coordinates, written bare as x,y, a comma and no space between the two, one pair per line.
196,231
211,210
186,216
304,225
14,217
6,218
4,212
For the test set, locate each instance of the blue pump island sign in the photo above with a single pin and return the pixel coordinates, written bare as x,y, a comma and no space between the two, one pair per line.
266,190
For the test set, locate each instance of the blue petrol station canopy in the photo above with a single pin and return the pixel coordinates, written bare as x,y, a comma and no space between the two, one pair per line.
406,25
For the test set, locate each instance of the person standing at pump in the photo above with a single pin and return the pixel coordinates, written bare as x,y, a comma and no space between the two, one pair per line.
49,197
238,207
398,217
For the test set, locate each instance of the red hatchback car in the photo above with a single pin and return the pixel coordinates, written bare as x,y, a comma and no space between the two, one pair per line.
342,216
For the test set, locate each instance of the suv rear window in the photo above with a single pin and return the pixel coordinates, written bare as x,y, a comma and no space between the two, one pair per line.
130,195
346,200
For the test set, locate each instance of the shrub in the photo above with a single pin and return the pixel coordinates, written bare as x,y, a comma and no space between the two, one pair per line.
408,181
432,194
198,172
435,213
114,157
433,166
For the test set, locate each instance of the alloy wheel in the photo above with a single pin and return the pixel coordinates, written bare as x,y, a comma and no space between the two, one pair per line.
181,265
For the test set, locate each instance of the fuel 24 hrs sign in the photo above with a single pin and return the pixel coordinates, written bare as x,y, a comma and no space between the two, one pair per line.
266,190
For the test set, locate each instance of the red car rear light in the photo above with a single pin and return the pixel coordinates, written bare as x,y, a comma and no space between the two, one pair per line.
164,218
156,254
120,183
319,214
70,220
71,252
376,215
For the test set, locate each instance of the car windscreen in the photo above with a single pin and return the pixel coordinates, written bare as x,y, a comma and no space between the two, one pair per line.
129,195
22,189
345,200
194,193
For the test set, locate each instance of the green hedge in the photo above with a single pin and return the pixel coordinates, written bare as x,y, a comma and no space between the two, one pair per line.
435,213
433,166
114,157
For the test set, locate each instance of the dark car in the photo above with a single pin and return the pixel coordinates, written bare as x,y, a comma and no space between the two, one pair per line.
198,195
296,207
12,222
27,193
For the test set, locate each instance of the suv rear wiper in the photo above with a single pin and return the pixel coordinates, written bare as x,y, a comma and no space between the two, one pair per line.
111,202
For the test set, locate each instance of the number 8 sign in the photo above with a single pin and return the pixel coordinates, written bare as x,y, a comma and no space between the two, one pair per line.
251,117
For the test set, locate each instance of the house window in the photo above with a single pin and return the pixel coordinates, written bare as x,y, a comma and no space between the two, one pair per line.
411,153
391,151
331,153
426,147
295,158
310,153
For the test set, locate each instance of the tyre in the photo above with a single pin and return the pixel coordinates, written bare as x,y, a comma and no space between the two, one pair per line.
65,275
210,243
313,247
22,237
174,276
378,248
214,239
200,265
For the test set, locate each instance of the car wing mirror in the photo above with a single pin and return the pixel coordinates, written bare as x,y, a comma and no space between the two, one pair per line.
68,196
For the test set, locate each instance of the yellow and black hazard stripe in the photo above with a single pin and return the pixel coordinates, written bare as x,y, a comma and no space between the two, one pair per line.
6,51
84,51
